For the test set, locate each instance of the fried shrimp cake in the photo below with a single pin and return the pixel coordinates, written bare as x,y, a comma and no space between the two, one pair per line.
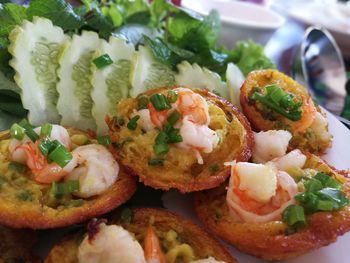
307,209
16,245
180,138
273,101
141,235
58,178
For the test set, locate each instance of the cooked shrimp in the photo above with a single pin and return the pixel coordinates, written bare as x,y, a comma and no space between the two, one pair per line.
319,126
44,172
270,144
145,121
96,170
58,133
199,138
259,193
307,117
153,252
291,161
111,244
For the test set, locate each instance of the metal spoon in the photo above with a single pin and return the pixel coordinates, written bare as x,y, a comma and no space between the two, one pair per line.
323,68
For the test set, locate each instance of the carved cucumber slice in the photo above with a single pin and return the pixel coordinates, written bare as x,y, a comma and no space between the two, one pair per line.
111,83
35,47
147,73
75,103
196,77
234,81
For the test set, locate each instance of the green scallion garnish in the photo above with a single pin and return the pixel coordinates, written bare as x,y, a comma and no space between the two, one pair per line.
59,154
174,117
160,102
59,190
17,132
29,130
132,124
45,146
156,162
104,140
46,130
280,101
142,102
294,216
161,148
18,167
172,96
103,61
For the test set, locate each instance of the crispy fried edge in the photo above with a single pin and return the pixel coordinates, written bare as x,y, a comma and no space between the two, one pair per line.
214,179
25,216
200,239
267,240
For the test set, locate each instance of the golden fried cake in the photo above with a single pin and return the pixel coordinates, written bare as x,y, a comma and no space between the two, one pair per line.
274,101
175,239
180,138
38,193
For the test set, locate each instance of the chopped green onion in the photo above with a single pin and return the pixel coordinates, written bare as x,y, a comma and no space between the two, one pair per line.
214,168
156,162
61,189
18,167
173,134
132,124
308,200
60,154
25,195
172,96
126,215
142,102
103,61
294,216
313,185
280,101
324,205
45,146
160,102
118,120
161,148
104,140
162,137
174,117
17,131
29,131
46,130
337,197
328,181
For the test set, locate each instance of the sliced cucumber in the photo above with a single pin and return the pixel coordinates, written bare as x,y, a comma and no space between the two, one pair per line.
147,73
111,83
234,80
194,76
35,47
74,87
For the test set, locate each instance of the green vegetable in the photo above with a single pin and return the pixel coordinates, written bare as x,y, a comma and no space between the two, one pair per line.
126,215
17,131
294,216
59,190
45,146
104,140
29,131
328,181
45,130
173,134
132,124
172,96
161,148
142,102
25,196
102,61
280,101
156,162
10,16
160,102
174,117
59,154
18,167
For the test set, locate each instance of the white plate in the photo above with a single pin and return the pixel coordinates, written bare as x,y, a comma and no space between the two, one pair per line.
337,156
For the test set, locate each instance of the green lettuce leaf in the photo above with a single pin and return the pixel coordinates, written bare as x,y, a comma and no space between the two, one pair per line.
10,16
